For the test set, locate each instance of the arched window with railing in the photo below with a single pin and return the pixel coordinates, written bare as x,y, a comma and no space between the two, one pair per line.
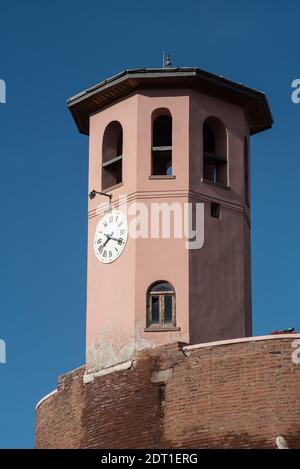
161,305
112,155
215,151
162,143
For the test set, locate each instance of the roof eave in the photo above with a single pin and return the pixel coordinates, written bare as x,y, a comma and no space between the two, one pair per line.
78,103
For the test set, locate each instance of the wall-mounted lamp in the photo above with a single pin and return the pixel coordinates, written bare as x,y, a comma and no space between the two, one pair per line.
93,194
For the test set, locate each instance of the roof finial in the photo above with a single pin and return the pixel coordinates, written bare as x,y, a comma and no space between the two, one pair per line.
168,63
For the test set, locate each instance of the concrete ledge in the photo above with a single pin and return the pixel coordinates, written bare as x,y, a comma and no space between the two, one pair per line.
241,340
89,377
45,398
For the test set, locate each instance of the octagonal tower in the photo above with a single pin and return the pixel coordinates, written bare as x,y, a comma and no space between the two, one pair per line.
171,136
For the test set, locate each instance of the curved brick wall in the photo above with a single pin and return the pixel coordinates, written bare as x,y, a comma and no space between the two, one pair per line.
235,394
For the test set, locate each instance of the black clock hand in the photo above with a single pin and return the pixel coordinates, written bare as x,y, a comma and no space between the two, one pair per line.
105,243
108,238
115,239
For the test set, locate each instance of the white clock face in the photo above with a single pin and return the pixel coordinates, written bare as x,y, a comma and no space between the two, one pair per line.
110,236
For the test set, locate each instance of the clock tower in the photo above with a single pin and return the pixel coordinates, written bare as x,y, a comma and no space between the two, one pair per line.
166,145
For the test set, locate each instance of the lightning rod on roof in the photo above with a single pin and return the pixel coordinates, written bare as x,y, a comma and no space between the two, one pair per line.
167,62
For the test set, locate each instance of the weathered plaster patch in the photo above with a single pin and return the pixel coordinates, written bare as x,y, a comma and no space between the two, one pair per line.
140,342
114,347
109,350
180,337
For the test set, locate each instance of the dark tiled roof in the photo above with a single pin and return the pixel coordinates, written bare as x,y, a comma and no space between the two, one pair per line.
97,97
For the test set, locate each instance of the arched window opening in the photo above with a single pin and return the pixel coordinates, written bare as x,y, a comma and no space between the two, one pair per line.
162,145
246,172
214,151
161,305
112,152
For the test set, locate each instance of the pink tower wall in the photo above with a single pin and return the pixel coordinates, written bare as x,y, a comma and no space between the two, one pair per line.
116,293
212,284
220,272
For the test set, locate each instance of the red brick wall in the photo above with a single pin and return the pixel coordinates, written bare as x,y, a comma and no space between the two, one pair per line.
236,395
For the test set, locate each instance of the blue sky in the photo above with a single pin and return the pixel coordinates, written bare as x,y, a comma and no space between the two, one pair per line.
50,51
